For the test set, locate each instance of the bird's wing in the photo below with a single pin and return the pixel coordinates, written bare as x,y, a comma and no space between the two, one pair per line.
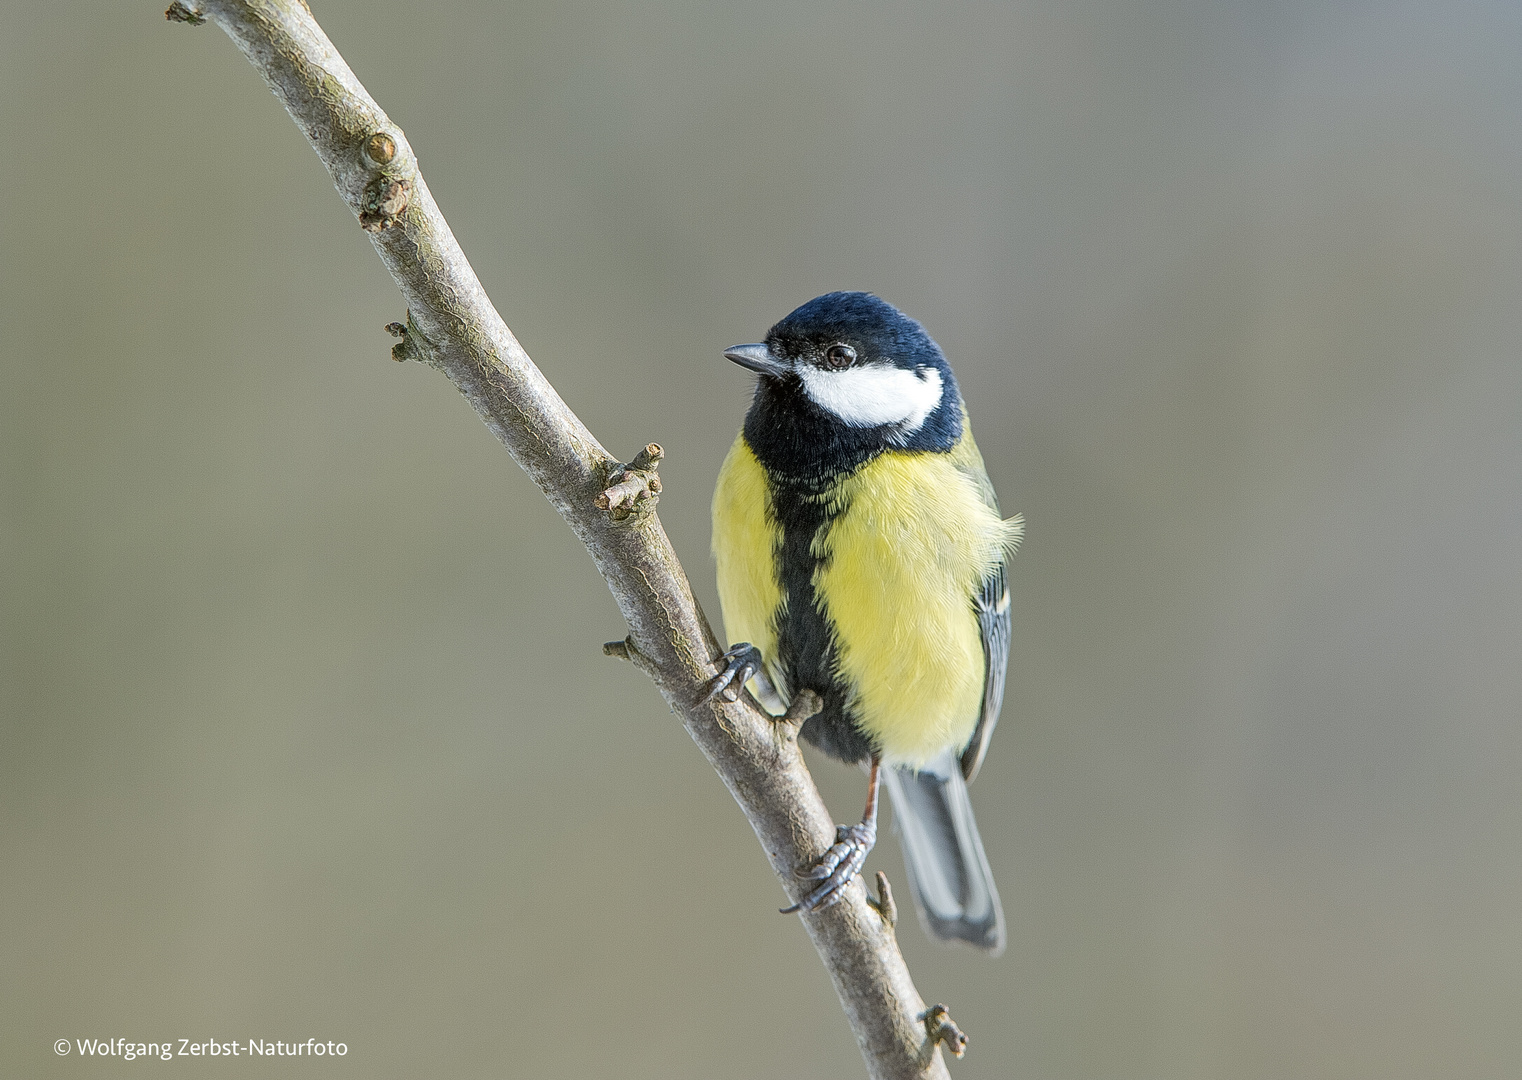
992,607
991,603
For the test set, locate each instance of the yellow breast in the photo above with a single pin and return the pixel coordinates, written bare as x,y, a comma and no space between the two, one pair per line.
899,567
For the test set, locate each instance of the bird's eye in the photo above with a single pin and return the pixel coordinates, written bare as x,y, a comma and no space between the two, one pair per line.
839,356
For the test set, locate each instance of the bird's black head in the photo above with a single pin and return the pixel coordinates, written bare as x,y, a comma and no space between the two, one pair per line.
843,378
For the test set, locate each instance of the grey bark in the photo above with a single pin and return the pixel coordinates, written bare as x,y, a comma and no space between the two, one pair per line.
453,326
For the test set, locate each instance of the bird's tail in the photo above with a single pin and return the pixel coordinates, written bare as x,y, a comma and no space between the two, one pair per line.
948,871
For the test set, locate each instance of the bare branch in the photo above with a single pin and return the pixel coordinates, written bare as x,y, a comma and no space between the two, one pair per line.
451,325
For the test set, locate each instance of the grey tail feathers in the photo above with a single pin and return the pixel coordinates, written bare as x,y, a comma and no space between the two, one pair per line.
948,872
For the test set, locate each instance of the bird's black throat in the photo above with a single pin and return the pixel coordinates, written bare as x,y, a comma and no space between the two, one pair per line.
798,443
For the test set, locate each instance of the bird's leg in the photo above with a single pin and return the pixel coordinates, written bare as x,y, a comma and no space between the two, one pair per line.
735,669
843,861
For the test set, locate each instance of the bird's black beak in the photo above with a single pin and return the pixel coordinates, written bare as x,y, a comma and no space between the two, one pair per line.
758,358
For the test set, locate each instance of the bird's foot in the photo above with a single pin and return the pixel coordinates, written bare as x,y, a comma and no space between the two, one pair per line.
837,866
735,669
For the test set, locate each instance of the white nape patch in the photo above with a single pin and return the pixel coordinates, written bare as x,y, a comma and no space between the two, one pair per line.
874,394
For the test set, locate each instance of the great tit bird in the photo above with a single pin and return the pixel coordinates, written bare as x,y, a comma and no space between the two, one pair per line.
861,555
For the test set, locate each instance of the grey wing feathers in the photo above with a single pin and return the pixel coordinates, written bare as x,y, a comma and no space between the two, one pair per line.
992,606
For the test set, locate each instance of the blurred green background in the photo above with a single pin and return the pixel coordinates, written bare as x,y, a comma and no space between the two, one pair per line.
304,726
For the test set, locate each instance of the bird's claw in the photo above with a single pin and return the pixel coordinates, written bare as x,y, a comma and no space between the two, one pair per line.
837,866
736,668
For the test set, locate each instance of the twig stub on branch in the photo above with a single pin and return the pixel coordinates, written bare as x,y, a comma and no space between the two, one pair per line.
943,1029
413,346
883,902
633,488
384,202
181,12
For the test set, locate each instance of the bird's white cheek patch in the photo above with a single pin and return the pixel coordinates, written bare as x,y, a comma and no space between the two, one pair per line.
875,394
